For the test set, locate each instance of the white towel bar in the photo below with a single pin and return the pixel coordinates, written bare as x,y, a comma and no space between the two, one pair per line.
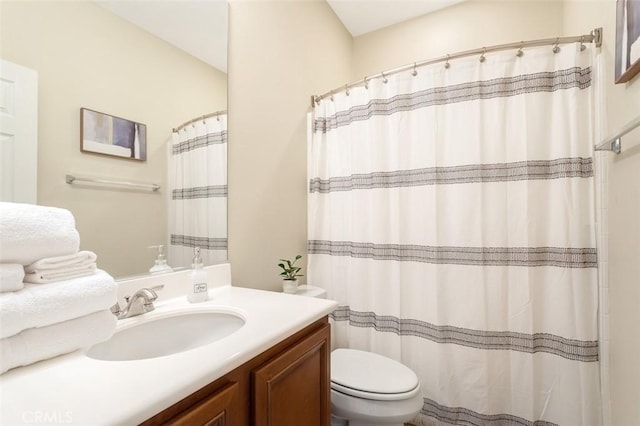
614,143
148,186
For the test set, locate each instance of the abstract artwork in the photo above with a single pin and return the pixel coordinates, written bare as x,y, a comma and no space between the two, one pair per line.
627,40
109,135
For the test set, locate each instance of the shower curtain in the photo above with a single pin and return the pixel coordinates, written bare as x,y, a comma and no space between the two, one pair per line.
198,192
451,216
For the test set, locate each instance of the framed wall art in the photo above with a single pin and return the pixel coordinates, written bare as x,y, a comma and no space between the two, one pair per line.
627,40
109,135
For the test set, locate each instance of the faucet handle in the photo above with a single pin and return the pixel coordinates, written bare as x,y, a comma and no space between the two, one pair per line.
154,289
115,309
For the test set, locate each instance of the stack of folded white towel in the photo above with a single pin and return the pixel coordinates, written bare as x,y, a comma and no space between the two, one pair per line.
53,299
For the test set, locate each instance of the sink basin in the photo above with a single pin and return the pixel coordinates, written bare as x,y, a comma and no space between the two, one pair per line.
166,335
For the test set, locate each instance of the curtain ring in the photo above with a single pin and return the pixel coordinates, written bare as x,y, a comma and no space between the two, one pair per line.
482,58
218,117
204,120
366,83
582,46
556,48
331,97
415,71
384,79
519,53
447,65
346,89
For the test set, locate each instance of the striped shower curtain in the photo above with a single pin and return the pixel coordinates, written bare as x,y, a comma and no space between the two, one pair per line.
451,215
198,192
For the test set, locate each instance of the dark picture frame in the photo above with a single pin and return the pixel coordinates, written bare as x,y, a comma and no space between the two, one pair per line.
627,40
107,134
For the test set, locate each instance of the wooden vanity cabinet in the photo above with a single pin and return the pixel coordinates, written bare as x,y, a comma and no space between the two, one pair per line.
213,410
287,385
293,387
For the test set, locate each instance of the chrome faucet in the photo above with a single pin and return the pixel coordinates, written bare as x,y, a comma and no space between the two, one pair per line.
138,303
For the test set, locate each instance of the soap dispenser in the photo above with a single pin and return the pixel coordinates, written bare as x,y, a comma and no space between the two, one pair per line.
198,288
160,264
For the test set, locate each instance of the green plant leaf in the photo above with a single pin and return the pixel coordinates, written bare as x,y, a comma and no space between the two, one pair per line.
290,271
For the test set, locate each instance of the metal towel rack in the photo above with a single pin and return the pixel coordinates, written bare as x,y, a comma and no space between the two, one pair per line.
148,186
614,143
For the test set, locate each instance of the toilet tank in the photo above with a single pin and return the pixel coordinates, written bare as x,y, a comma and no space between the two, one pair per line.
311,291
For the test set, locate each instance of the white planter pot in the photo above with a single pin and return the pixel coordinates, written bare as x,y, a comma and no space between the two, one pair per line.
290,286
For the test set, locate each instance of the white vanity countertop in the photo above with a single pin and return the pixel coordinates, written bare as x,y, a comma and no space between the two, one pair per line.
75,389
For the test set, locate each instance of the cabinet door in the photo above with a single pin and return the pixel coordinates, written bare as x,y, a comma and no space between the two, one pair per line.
292,389
211,411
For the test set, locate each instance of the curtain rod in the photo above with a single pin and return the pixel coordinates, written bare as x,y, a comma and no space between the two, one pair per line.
594,37
204,117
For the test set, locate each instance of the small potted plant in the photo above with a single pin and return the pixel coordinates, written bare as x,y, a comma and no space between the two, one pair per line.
290,274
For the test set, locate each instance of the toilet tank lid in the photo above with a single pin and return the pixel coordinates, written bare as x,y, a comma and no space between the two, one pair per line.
370,372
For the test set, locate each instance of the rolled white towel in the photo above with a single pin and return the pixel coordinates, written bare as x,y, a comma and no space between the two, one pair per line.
11,276
37,344
52,269
32,232
39,305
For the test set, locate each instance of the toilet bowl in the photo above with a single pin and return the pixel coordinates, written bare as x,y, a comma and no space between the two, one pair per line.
368,389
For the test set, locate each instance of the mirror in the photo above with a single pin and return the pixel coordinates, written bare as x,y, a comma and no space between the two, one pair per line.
86,56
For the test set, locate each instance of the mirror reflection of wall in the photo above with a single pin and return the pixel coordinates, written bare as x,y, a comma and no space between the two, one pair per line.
86,56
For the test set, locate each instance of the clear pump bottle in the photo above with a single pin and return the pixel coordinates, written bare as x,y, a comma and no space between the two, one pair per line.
198,288
160,266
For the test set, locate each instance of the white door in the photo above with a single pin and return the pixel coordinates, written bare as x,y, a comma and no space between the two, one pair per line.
18,133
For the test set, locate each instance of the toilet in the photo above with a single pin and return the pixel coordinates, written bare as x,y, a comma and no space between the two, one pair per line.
368,389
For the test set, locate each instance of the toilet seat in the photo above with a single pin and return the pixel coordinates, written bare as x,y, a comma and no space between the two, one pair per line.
371,376
375,396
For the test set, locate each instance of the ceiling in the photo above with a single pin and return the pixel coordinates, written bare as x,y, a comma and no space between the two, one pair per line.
197,27
200,27
363,16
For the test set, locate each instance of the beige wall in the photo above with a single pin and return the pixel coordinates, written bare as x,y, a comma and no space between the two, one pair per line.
465,26
622,105
280,53
88,57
